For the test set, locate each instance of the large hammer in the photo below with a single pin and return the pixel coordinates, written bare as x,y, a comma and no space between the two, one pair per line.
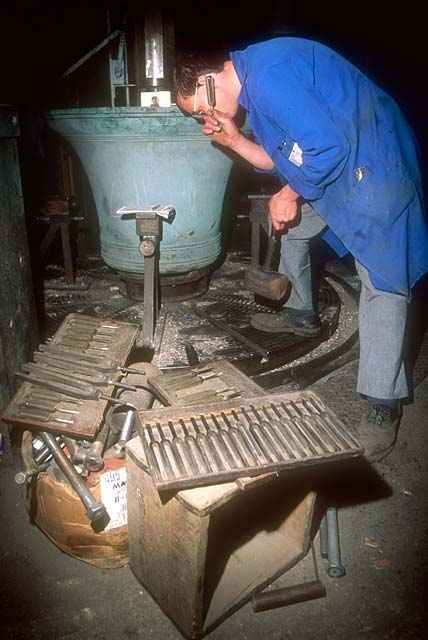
263,279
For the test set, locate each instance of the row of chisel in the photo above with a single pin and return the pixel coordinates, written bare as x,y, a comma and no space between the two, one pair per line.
63,373
189,386
266,436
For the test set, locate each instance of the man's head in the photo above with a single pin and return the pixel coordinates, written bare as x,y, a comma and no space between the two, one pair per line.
190,86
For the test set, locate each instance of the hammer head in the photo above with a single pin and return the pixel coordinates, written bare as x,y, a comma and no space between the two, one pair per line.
268,284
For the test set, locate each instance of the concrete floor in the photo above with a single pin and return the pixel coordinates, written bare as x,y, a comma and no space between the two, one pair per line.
383,515
384,530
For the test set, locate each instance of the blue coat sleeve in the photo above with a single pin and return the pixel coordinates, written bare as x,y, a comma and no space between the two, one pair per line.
306,144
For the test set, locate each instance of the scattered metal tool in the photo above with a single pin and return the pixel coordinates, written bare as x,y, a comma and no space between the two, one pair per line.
125,434
191,354
92,457
94,360
63,375
78,365
23,476
330,543
72,387
41,452
95,511
48,406
43,416
185,382
184,371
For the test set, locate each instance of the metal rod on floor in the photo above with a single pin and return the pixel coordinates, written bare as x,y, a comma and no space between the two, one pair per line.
335,566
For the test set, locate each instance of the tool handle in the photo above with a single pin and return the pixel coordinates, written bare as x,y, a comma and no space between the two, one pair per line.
288,595
269,261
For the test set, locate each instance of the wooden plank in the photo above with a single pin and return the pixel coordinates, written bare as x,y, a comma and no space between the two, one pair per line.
251,568
167,548
252,542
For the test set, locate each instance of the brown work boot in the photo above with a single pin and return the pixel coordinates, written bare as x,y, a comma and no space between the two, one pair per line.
377,431
283,322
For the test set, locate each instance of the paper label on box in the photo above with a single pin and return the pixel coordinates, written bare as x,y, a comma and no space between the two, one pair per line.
113,496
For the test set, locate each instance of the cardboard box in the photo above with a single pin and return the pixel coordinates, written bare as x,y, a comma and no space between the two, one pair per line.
59,513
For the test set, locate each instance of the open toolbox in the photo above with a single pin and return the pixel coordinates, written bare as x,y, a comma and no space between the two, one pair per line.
221,441
67,388
219,380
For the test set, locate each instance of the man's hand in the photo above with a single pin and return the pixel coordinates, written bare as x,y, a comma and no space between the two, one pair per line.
284,209
222,129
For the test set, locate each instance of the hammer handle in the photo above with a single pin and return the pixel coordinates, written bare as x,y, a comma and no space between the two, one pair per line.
288,595
269,261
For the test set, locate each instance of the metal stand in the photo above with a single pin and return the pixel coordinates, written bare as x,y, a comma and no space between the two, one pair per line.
148,227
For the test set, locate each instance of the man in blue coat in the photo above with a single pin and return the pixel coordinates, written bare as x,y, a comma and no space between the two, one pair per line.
348,163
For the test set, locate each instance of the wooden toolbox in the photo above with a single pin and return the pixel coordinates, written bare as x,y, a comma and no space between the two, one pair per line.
202,553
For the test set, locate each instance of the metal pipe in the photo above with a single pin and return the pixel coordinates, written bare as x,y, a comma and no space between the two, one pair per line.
335,567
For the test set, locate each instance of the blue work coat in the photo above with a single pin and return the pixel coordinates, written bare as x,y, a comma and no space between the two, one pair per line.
343,144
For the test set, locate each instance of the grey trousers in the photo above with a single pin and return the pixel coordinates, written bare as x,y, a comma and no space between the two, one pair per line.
382,315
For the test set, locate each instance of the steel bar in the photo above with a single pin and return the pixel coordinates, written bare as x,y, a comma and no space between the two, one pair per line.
23,476
95,511
323,539
150,300
335,567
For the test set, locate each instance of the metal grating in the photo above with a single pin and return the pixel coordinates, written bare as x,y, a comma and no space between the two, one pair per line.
205,444
237,309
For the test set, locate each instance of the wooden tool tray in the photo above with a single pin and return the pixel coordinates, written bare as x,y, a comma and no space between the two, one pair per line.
206,444
188,387
72,417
